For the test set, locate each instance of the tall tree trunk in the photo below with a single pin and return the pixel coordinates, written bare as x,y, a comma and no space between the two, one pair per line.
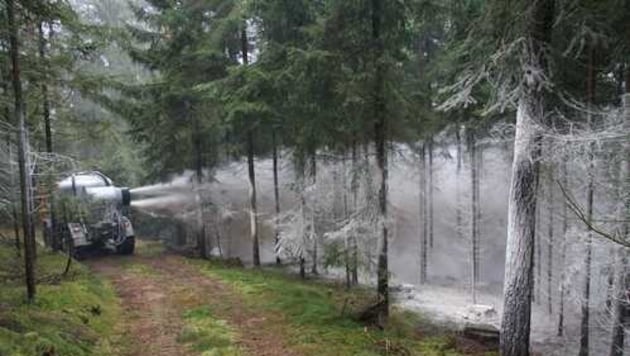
314,237
565,228
380,130
44,89
29,238
458,188
301,186
423,215
276,195
197,163
621,308
354,266
14,210
517,290
478,208
253,213
431,192
538,243
54,238
586,297
474,248
346,216
551,212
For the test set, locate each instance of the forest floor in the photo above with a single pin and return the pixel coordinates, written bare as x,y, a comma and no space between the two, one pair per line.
160,303
173,305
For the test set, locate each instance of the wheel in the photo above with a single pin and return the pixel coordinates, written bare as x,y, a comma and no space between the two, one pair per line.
127,247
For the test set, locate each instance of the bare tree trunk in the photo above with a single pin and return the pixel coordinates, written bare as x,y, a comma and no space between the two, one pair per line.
253,213
380,130
565,228
474,249
458,189
6,77
276,195
621,308
346,216
551,212
197,163
478,208
314,237
538,244
29,238
54,238
585,302
517,290
431,192
423,216
301,186
354,187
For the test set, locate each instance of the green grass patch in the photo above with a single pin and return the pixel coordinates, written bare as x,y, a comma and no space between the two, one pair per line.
149,248
75,315
319,318
208,335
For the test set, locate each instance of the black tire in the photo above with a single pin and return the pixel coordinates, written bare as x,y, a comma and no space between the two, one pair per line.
127,247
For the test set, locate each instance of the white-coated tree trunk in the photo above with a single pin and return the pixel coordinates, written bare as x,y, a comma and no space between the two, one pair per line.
423,231
430,222
586,296
474,206
565,228
518,283
620,305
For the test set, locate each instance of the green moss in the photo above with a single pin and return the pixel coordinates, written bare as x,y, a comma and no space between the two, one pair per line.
318,315
72,315
208,335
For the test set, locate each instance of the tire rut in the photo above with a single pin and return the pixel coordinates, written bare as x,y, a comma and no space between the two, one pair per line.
155,300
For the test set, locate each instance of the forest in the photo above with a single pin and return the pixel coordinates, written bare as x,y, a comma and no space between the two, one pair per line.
315,177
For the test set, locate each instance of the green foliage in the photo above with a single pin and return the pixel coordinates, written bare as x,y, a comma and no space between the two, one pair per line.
320,314
73,315
210,336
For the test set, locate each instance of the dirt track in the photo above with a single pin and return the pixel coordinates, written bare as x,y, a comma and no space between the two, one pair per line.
157,289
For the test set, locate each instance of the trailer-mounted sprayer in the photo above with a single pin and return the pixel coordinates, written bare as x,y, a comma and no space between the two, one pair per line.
91,213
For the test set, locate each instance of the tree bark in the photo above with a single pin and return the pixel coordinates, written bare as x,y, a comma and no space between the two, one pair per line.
586,297
314,237
29,238
538,244
431,192
474,248
276,195
354,186
621,308
423,215
380,130
565,228
458,189
551,212
54,238
300,172
517,290
253,213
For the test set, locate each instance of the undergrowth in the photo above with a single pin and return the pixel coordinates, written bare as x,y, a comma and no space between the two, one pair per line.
320,318
72,315
207,334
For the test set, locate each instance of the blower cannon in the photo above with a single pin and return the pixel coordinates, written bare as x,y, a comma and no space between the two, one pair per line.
92,213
